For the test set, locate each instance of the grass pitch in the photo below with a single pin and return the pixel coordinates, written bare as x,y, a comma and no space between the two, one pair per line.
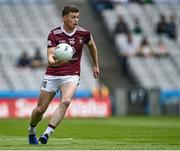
125,133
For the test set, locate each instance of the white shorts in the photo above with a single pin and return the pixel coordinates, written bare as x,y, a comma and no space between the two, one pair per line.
53,83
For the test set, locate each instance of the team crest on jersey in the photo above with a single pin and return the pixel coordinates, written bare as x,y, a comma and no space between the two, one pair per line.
71,41
80,40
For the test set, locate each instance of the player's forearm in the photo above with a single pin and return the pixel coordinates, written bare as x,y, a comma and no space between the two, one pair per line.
94,55
93,52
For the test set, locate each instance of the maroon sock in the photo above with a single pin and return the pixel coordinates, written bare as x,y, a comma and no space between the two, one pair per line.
52,126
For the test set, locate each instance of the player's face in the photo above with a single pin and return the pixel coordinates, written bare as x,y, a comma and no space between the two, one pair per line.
71,20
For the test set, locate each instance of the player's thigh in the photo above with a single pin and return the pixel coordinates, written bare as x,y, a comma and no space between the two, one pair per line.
44,99
67,90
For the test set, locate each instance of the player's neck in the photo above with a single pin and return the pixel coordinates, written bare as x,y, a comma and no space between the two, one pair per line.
67,30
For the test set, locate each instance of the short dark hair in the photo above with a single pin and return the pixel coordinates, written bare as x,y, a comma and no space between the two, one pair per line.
70,8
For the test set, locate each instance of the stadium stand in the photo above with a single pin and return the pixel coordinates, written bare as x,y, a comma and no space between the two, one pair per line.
24,26
148,72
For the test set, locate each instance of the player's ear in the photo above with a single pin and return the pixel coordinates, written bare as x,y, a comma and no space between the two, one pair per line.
65,18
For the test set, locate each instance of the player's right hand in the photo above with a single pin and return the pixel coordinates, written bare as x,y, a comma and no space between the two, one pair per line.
60,62
52,61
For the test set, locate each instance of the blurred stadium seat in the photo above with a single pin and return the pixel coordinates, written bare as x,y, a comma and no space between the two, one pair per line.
163,73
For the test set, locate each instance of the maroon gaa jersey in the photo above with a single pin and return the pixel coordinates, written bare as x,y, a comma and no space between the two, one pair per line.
76,39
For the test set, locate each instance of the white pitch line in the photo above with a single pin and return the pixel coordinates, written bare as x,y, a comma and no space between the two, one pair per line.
62,139
22,139
12,139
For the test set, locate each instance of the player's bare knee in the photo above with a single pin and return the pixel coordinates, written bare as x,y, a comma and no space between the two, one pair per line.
66,102
40,110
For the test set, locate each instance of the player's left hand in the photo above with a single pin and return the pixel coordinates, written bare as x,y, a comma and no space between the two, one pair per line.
95,72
